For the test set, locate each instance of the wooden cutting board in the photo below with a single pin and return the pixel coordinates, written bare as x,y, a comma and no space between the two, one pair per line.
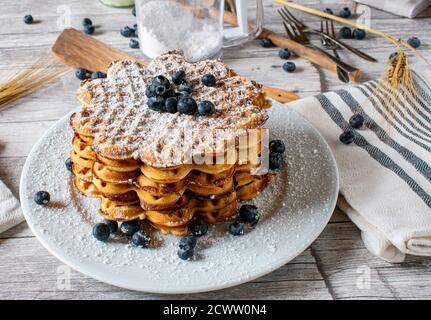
76,49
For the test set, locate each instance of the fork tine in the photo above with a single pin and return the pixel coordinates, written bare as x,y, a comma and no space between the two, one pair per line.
321,25
289,33
283,16
292,18
332,29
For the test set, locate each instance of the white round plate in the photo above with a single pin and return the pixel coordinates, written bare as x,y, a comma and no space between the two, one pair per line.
295,209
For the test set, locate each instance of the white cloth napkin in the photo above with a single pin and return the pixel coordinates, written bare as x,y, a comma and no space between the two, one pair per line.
10,209
385,174
405,8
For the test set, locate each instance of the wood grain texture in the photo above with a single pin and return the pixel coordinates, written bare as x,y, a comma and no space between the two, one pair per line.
331,268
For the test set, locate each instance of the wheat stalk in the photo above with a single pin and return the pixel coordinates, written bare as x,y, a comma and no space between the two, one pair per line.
44,71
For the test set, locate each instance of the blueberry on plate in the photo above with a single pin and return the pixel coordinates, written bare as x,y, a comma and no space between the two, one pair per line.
345,13
188,242
359,34
347,137
415,42
276,146
284,53
89,29
161,81
187,105
356,121
265,42
129,227
185,87
178,77
275,161
393,55
198,228
141,239
169,93
206,108
82,74
289,67
86,22
42,198
134,44
150,91
209,80
101,231
186,253
346,33
98,75
329,10
68,163
171,104
249,213
236,228
156,103
160,90
113,225
28,19
126,31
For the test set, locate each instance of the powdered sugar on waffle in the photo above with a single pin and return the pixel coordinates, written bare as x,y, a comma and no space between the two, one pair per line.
125,127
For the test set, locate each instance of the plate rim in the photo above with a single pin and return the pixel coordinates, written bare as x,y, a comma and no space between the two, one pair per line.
88,271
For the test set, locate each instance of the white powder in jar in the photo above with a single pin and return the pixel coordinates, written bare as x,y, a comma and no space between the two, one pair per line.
168,25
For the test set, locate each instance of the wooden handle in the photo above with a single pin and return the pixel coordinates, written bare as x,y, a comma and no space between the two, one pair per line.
76,49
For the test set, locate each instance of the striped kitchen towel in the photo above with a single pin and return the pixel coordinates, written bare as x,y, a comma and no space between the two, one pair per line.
385,174
10,209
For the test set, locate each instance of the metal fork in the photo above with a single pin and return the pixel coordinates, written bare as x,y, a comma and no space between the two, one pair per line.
297,35
329,30
287,15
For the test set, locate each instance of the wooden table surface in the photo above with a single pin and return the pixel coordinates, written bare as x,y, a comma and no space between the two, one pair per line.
335,266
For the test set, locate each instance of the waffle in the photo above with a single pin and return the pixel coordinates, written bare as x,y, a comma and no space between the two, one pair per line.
141,164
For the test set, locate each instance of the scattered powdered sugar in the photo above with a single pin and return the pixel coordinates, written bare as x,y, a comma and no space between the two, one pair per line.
294,210
198,38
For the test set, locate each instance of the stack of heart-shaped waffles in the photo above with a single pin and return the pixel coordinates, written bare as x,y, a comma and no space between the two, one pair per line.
169,168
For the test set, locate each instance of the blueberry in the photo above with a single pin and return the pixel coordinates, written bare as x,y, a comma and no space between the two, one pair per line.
113,225
198,228
186,253
178,77
265,42
89,29
82,74
101,232
185,87
284,53
159,90
97,75
276,146
134,44
206,108
150,91
135,32
347,137
86,22
275,160
415,42
359,34
68,163
248,213
188,242
156,103
126,31
393,55
356,121
329,10
161,81
170,93
346,33
171,104
42,198
236,229
28,19
209,80
345,13
187,105
140,239
134,11
289,67
129,227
